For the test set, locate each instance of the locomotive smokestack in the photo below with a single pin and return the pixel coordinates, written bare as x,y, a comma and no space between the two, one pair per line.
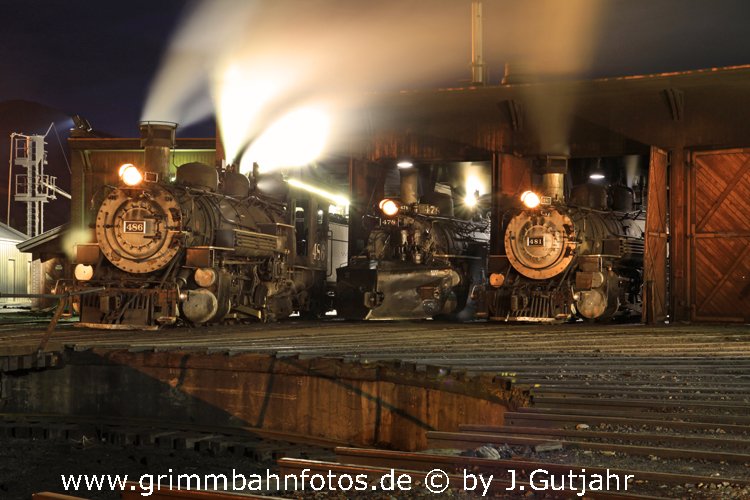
553,170
409,185
157,139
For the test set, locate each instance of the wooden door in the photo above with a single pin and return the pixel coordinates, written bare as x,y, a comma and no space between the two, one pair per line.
655,308
720,235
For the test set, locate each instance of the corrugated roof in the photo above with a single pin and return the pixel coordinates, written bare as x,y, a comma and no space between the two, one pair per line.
33,243
9,234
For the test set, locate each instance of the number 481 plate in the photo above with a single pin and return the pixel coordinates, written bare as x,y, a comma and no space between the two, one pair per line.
535,241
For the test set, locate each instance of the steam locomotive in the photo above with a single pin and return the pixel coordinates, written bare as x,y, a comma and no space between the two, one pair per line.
563,259
419,262
208,247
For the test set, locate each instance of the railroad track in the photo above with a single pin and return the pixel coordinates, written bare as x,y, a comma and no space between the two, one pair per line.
259,445
237,445
670,406
419,341
133,491
677,420
665,455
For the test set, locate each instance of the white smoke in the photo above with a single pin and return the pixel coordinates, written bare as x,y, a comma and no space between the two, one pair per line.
253,62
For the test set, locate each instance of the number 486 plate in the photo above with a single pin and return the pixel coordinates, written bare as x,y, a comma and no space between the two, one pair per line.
134,226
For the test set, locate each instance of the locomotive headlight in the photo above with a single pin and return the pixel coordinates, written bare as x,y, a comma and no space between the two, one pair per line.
83,272
530,199
124,167
130,175
205,276
388,207
497,280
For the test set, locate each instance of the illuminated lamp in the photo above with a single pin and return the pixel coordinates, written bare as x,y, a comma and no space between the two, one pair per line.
83,272
130,175
497,280
388,207
530,199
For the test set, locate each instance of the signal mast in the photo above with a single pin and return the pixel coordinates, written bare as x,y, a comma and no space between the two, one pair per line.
34,187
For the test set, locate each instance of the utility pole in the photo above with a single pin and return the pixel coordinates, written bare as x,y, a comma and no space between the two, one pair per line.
477,58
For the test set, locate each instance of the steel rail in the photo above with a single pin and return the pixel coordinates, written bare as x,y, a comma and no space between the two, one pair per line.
497,486
603,436
466,440
427,460
573,417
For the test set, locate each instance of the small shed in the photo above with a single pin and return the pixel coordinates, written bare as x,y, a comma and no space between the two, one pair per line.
15,267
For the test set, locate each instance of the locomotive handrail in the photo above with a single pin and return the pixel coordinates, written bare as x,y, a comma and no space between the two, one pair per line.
455,256
50,295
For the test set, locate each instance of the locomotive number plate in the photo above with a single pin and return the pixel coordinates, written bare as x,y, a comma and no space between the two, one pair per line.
134,226
535,242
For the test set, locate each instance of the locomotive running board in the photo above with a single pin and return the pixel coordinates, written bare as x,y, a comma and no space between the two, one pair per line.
119,326
527,319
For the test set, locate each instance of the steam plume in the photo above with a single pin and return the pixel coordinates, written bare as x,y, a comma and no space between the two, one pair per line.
253,62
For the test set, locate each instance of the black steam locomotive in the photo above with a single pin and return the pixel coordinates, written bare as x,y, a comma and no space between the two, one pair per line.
563,259
205,248
420,260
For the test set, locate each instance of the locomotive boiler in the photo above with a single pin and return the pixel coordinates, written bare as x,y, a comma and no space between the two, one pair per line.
419,262
565,259
207,247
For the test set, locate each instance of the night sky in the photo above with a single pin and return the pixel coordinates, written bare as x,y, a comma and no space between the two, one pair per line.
97,58
93,58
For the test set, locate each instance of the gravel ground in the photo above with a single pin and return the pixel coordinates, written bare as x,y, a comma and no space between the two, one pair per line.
651,463
28,466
